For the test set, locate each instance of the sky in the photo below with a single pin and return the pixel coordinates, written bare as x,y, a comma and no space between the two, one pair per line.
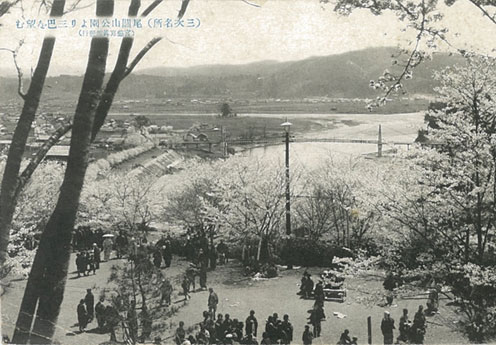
234,32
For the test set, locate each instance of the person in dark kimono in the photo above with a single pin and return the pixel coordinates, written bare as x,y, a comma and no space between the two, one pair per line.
219,328
287,328
82,316
251,324
89,301
100,314
157,258
307,336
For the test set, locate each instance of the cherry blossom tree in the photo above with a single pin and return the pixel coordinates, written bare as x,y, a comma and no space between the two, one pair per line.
445,206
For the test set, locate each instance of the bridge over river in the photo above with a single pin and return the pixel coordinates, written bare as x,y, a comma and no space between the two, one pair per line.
208,145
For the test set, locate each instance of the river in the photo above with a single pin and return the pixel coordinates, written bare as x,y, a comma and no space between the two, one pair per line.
394,128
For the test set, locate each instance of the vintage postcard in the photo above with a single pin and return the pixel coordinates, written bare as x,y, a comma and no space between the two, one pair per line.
248,172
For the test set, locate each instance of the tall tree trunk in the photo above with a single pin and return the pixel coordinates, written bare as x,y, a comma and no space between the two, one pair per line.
46,283
10,178
118,74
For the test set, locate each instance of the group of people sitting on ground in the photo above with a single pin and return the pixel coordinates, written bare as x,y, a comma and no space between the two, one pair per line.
328,280
225,330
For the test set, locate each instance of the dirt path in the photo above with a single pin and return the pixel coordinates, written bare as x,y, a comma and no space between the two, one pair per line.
237,296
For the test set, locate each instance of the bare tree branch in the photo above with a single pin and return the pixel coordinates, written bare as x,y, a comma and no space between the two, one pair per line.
184,6
18,69
36,160
6,5
151,7
484,11
140,55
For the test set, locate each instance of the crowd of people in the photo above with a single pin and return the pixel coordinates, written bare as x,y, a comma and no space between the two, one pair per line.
88,261
409,332
223,329
217,328
84,237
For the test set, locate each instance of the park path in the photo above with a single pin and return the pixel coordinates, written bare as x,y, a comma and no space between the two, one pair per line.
237,296
67,329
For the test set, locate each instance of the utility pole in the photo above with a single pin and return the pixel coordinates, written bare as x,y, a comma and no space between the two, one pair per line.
286,126
224,143
379,143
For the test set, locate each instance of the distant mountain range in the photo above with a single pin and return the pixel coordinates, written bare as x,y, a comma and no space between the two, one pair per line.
344,75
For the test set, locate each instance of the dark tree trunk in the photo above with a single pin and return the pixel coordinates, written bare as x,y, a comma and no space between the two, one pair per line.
48,275
116,77
10,178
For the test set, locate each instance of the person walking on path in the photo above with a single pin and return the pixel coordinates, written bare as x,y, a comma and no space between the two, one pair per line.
100,314
185,286
107,248
387,327
307,336
213,300
89,301
82,316
165,292
316,320
96,256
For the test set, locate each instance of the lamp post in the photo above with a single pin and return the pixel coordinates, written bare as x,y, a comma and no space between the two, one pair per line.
286,125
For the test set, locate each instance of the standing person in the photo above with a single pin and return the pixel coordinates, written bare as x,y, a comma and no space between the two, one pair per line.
191,273
319,294
307,336
167,253
203,261
82,316
112,319
418,327
219,328
251,324
165,292
157,258
180,334
107,248
271,329
121,244
89,301
287,327
316,320
80,265
96,256
91,263
185,286
213,300
387,327
404,326
132,321
100,314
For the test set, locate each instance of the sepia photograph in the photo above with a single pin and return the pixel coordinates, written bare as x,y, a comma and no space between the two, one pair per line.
227,172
